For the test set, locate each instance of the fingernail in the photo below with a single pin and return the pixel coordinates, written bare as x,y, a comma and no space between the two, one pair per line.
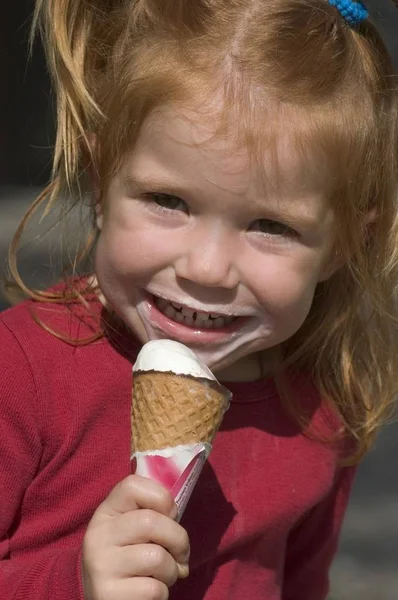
183,571
173,514
186,557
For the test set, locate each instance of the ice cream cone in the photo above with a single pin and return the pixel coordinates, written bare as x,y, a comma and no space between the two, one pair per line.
171,410
177,408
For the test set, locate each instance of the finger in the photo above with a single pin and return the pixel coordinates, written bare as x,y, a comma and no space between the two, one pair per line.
138,492
143,526
136,587
147,560
183,571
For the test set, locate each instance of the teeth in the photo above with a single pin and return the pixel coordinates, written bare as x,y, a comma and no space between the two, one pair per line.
220,322
181,314
161,303
201,318
169,311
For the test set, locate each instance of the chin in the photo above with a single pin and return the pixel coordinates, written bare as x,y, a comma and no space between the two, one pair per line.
222,362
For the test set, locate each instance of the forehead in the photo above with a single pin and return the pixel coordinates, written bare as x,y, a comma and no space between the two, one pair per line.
200,142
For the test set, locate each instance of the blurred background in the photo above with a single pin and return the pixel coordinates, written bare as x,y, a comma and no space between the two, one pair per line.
366,567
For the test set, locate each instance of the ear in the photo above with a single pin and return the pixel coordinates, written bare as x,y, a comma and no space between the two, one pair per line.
369,218
99,216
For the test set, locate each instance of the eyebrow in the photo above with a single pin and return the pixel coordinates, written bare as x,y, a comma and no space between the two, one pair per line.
303,219
154,185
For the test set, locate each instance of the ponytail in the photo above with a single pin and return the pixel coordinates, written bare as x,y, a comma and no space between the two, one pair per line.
67,28
78,36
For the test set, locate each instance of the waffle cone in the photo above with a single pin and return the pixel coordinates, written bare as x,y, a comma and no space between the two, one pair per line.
169,410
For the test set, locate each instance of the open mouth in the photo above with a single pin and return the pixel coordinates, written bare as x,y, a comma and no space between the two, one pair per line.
193,318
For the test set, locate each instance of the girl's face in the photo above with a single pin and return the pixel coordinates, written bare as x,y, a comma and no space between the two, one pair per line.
200,244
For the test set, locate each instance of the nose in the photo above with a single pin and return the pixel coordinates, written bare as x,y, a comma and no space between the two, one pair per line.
209,259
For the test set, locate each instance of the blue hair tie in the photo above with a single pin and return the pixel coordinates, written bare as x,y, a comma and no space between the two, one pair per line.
352,12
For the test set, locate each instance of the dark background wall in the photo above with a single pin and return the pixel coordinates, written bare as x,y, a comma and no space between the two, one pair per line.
26,121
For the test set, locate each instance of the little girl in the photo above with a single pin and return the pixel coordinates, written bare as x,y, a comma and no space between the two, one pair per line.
241,160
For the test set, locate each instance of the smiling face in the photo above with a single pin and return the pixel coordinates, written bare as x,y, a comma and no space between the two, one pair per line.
203,245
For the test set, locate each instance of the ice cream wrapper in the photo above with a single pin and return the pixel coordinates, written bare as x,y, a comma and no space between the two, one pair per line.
177,469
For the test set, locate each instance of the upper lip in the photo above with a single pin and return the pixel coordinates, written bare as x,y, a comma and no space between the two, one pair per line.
195,308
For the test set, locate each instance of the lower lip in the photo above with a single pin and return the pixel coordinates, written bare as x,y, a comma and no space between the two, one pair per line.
185,334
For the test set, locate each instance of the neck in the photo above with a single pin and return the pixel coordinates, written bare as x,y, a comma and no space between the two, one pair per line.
253,367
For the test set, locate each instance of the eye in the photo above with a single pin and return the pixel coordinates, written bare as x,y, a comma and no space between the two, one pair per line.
167,202
273,228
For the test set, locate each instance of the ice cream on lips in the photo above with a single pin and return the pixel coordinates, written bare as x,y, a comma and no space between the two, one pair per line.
177,409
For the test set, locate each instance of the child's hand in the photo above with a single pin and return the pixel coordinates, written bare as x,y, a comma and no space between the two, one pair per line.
131,554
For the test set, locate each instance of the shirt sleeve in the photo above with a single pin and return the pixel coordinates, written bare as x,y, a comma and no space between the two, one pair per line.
48,575
312,545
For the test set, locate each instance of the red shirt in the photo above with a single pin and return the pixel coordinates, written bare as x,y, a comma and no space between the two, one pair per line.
263,520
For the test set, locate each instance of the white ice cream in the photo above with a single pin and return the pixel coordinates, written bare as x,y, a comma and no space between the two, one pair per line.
168,355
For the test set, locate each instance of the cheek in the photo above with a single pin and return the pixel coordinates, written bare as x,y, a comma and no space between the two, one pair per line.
129,253
287,285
